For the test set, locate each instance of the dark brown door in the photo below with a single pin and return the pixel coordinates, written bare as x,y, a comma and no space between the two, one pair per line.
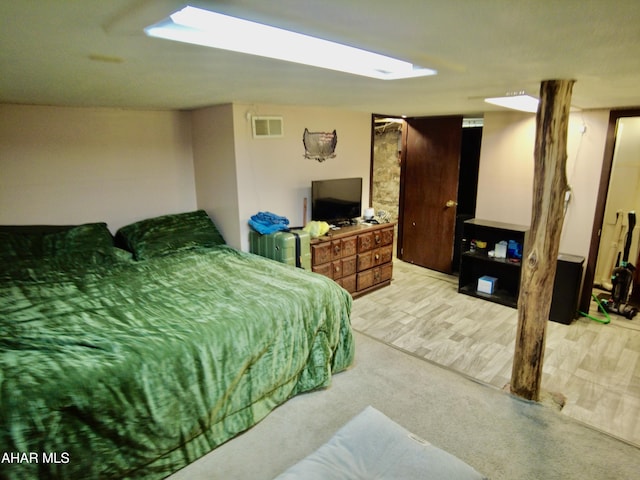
429,191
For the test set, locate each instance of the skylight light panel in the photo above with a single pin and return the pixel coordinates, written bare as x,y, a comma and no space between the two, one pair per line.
211,29
520,101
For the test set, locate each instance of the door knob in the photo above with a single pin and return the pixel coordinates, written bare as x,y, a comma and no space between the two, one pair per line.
450,203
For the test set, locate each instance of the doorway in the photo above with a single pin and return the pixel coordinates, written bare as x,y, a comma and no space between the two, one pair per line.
468,181
393,140
619,194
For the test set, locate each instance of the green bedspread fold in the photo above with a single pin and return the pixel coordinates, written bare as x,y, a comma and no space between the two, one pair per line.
112,368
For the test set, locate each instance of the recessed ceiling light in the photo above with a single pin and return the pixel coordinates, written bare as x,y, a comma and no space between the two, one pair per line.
211,29
519,101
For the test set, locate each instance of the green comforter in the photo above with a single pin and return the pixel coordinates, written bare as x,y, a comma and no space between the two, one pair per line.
116,369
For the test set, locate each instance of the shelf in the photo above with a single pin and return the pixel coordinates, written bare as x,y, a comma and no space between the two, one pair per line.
487,258
478,263
499,296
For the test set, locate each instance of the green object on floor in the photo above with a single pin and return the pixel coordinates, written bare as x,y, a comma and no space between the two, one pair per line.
602,309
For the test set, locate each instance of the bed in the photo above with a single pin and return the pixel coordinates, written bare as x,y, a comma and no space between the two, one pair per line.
133,358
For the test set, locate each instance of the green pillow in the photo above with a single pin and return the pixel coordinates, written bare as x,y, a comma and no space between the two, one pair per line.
16,246
163,235
90,237
33,242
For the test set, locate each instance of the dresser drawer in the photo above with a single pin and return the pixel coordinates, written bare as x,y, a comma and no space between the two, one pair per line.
375,257
343,248
386,236
336,249
385,254
325,269
349,246
386,272
373,276
365,261
343,267
365,242
321,253
370,240
365,279
348,283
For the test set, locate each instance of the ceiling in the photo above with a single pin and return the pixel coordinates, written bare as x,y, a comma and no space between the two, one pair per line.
93,53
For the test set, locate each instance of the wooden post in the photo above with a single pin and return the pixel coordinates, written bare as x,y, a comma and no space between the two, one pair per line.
543,240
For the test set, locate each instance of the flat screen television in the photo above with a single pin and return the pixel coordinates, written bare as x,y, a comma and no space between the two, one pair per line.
336,201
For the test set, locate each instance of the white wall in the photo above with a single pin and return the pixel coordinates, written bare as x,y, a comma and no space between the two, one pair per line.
73,165
585,154
214,161
63,165
273,174
505,183
505,176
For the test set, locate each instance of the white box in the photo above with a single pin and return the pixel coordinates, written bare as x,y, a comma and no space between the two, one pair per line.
501,249
487,284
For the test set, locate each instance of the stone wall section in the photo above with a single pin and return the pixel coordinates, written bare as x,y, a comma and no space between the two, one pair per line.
386,169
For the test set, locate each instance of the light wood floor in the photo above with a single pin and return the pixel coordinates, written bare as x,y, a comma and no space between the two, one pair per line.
595,366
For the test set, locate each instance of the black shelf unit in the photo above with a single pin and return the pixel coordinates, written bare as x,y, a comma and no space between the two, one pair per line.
475,264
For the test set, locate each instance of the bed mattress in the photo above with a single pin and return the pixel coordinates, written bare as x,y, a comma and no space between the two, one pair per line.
114,368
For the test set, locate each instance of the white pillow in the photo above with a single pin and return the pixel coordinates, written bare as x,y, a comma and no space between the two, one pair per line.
373,446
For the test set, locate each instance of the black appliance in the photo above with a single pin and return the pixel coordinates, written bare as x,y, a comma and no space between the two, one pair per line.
566,289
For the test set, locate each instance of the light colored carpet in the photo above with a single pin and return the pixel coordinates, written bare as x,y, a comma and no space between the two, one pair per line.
495,433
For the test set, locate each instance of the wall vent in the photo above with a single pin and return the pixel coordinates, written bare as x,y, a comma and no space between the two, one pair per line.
267,127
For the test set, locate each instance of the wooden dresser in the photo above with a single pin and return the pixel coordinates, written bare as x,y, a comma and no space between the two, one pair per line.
358,257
